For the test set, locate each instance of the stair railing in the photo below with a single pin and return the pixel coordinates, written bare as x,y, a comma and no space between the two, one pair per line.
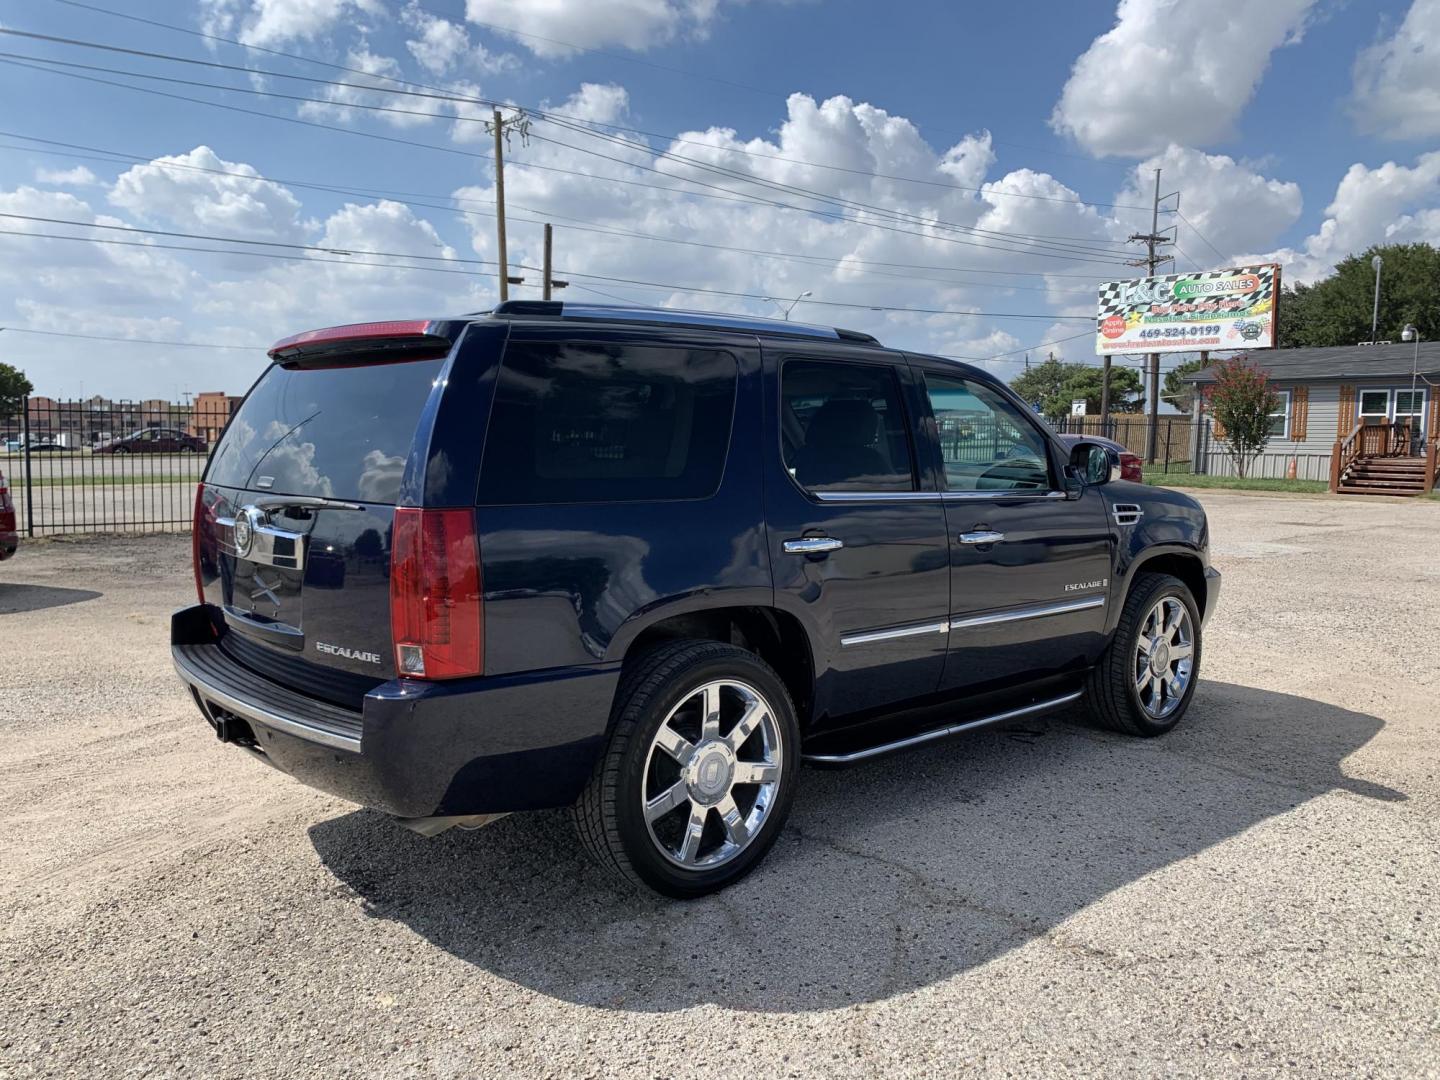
1344,454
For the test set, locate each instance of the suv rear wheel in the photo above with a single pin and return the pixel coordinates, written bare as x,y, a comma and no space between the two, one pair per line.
1144,682
699,774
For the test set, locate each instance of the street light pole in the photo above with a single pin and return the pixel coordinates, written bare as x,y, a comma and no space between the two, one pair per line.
787,308
1412,333
1376,262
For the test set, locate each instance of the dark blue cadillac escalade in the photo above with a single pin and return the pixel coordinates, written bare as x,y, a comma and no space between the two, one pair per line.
644,564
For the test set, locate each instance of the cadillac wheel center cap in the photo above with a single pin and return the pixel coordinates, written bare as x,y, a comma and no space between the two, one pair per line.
710,773
1160,658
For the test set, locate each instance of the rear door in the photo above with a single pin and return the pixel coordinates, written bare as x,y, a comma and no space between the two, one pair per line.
1030,568
298,507
857,543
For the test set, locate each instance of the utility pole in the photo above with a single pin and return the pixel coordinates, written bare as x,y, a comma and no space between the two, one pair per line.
549,240
551,283
501,127
1150,262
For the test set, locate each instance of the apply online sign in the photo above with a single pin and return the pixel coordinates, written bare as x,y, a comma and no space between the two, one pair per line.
1219,309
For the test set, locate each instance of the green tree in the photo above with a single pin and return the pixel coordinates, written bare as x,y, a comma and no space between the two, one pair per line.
1241,401
1039,384
1053,386
1338,310
1126,391
14,389
1176,391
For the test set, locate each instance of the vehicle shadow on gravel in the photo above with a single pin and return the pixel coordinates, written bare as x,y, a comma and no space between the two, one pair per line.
18,598
889,877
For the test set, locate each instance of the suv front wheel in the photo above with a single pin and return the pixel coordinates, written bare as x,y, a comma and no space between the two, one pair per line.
700,771
1144,682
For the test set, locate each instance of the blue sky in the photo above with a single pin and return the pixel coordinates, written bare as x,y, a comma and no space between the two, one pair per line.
977,150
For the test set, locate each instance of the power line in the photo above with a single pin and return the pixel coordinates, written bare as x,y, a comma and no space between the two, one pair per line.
1198,233
1071,249
127,340
667,286
731,195
573,223
438,94
782,95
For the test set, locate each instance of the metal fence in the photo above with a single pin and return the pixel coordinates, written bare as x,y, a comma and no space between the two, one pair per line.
1174,436
105,466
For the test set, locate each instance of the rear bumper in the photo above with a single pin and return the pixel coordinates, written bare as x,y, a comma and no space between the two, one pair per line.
472,746
1212,593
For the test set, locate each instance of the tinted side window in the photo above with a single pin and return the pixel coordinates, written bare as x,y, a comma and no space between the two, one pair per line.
986,444
341,433
577,422
842,427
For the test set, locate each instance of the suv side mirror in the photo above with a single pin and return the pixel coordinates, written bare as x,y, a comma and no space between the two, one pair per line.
1094,463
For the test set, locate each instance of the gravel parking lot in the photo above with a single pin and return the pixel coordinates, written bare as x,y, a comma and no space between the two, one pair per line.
1254,895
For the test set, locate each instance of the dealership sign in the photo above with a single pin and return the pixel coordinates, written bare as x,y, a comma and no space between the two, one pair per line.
1222,309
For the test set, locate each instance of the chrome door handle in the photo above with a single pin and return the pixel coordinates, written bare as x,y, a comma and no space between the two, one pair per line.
812,545
981,537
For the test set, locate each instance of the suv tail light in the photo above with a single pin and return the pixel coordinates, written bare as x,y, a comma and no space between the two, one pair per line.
436,611
197,538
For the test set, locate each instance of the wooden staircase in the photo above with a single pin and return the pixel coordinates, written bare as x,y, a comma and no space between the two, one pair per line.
1384,476
1378,460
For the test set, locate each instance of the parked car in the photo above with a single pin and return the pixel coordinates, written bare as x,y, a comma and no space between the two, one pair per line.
9,531
1130,464
155,441
644,564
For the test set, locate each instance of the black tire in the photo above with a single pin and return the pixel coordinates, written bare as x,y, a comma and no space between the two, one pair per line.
609,817
1111,695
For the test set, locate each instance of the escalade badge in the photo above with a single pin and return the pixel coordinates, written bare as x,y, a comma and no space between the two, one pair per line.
1081,586
348,654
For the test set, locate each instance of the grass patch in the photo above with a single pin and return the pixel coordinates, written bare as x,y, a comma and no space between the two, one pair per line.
1234,483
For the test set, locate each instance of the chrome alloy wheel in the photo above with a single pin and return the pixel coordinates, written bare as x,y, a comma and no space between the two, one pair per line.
1164,658
712,774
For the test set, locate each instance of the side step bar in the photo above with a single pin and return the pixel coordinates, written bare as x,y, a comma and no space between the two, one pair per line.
939,733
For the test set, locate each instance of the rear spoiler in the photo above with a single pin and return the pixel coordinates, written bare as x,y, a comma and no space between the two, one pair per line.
373,342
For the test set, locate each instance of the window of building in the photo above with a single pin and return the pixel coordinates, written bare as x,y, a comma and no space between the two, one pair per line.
985,441
1280,418
577,422
1374,406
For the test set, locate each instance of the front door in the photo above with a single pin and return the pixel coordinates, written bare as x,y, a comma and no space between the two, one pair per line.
857,548
1030,568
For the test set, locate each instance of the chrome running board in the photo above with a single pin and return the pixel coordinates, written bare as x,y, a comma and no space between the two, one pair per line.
940,733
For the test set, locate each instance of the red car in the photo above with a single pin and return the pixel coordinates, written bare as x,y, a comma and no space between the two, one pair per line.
155,441
9,534
1129,463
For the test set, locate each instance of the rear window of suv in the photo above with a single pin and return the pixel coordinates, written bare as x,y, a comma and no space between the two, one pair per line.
580,422
340,433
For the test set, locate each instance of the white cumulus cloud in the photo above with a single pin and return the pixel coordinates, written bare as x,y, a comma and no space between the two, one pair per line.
1397,80
1172,71
550,27
276,22
200,191
79,176
1225,203
1388,204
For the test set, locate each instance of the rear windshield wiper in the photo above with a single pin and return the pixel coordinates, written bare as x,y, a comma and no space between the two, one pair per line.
303,502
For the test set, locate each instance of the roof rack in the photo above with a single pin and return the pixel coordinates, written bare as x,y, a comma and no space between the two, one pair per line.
707,320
